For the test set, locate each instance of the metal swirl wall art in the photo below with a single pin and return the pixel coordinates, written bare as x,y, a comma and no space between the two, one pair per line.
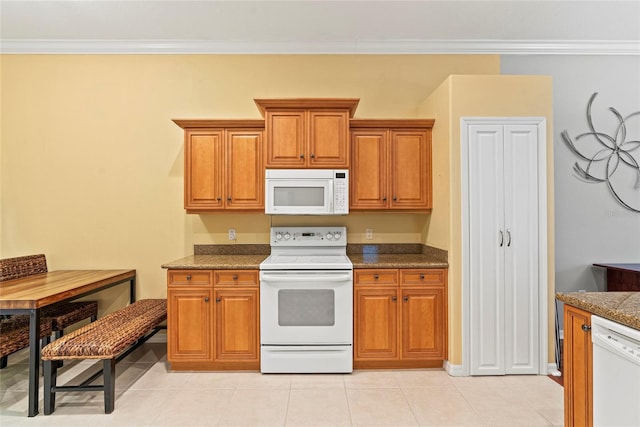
607,154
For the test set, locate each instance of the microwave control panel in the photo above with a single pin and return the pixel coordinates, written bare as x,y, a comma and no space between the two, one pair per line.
341,192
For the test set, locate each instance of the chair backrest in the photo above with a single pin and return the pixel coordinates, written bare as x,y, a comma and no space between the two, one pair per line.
22,266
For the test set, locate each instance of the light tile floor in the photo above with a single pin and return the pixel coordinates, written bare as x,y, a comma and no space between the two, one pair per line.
149,395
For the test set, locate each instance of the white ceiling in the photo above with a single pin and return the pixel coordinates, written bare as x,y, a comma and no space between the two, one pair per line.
306,26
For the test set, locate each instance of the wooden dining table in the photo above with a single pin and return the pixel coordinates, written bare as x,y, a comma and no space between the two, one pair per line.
28,295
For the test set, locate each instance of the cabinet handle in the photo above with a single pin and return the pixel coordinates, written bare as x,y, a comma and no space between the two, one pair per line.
302,156
218,198
188,277
313,156
586,328
376,277
394,299
395,198
384,199
501,234
229,198
405,298
235,277
218,299
206,299
421,276
508,237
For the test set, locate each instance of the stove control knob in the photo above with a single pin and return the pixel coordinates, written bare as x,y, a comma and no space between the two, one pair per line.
278,236
287,236
337,235
329,236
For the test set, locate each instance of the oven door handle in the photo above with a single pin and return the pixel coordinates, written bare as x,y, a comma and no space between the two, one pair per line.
296,277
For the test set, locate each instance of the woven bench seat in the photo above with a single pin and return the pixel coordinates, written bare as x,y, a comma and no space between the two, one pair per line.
105,339
14,335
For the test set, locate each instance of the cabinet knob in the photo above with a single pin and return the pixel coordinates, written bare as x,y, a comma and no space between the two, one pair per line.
218,198
405,298
376,277
421,276
235,277
384,199
229,198
394,299
206,299
586,328
218,299
188,277
302,156
313,156
395,198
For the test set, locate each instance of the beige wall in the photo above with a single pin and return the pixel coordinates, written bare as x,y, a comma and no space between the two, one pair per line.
481,96
91,164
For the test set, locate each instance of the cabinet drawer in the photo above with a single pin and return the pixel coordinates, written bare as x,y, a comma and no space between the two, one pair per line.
422,277
235,278
189,277
375,277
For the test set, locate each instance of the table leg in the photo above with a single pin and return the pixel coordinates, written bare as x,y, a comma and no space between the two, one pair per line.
132,290
34,360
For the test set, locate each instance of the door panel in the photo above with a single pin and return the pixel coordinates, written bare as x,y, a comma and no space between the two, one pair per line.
423,323
328,139
286,140
486,257
376,320
410,169
369,172
245,173
204,170
189,332
236,325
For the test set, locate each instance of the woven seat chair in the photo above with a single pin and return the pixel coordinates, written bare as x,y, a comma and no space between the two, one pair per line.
14,335
59,316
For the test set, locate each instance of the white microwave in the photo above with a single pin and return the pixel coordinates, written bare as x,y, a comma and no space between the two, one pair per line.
307,192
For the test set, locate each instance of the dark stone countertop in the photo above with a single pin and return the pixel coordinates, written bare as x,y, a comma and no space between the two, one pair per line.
621,307
249,257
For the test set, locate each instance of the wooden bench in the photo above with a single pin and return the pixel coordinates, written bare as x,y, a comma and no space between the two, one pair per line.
109,338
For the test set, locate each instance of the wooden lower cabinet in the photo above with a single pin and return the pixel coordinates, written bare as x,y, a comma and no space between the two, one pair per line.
213,319
400,318
577,368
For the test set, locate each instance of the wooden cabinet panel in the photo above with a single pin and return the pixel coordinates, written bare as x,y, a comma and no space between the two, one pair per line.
286,139
376,324
410,169
369,169
423,323
203,169
375,277
236,326
235,278
391,164
422,277
190,335
328,139
578,361
189,278
244,170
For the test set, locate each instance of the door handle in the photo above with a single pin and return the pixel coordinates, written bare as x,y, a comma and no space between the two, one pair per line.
586,328
508,237
405,298
501,234
394,299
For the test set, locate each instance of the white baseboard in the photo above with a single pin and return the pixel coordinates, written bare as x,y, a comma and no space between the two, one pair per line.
453,370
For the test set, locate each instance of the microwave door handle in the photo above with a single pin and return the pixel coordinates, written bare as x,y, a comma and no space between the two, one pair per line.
297,277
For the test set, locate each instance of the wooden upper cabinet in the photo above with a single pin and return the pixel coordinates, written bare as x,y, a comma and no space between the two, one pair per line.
391,164
224,167
307,132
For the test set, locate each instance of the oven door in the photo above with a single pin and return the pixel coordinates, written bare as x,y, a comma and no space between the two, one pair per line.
308,196
306,307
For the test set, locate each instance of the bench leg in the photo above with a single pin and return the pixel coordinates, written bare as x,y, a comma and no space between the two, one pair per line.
109,375
3,362
50,377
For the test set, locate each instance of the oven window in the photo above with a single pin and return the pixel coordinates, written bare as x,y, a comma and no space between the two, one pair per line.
298,196
306,307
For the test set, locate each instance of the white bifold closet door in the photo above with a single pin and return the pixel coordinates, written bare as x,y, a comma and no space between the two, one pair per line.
503,249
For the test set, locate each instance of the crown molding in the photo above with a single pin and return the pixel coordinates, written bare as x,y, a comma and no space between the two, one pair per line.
501,47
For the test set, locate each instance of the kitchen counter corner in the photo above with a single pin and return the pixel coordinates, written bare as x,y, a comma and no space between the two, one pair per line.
621,307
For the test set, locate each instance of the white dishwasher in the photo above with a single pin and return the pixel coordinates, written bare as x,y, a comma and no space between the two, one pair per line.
616,374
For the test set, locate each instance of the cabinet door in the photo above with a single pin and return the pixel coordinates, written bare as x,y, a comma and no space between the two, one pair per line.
370,170
328,139
237,320
203,170
189,330
376,324
286,139
410,169
244,171
423,323
577,364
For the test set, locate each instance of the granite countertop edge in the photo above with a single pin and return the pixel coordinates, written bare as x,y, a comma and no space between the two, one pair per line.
621,307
